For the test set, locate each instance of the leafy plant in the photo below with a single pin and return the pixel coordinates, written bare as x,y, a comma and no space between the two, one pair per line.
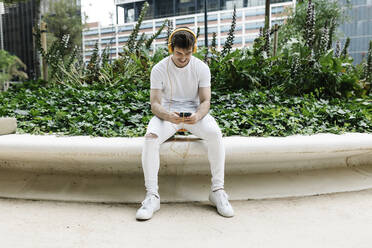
123,110
230,37
10,66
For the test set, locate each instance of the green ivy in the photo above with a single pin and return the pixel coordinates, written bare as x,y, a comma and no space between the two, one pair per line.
123,110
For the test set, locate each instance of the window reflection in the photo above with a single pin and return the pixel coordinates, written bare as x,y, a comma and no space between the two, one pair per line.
185,7
167,8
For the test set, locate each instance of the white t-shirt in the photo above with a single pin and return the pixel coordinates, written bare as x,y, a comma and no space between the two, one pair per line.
185,83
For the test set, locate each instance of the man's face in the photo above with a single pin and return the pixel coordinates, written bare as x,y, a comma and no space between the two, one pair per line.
181,56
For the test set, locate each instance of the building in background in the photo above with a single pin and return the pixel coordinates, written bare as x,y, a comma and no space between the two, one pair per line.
359,28
250,17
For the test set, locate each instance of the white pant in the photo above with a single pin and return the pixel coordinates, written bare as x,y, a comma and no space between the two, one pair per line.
206,128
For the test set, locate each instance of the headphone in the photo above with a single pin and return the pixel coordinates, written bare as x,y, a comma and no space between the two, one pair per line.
181,29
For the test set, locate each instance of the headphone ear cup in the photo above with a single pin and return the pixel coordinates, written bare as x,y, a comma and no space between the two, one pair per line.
170,50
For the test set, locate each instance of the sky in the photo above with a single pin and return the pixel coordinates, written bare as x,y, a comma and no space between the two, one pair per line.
99,11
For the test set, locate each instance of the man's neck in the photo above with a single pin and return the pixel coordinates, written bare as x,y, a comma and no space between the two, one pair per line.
177,65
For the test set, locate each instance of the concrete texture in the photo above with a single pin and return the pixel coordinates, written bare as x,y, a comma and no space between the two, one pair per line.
326,221
244,155
130,188
8,125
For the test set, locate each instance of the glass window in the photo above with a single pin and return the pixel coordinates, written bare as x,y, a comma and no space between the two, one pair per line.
279,1
125,28
238,40
254,25
107,30
159,24
254,12
276,10
146,25
225,28
213,5
209,18
91,32
164,8
90,42
190,20
123,39
253,3
185,7
202,42
229,4
108,41
210,30
162,35
129,15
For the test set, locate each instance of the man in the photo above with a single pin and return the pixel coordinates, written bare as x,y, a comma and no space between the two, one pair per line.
181,83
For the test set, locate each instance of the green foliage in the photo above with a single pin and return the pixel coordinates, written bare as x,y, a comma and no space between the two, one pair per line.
123,110
328,13
131,44
93,66
58,56
230,37
344,52
268,113
366,70
10,66
169,31
63,20
299,67
153,37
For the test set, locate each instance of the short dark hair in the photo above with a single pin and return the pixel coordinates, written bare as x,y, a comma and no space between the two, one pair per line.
183,39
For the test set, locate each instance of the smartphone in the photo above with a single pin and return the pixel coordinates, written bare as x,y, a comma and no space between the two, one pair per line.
185,114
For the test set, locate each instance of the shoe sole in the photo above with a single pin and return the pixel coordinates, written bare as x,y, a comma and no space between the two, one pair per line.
142,219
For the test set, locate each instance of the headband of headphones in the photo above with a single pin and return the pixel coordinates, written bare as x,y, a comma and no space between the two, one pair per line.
177,30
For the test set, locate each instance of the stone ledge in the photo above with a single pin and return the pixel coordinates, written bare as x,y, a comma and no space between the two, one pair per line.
8,125
184,155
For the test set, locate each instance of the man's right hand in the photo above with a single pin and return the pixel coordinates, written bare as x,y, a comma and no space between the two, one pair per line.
175,118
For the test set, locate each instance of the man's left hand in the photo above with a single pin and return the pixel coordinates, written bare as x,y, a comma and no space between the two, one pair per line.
192,119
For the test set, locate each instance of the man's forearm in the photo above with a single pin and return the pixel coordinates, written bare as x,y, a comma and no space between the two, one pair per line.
203,109
158,110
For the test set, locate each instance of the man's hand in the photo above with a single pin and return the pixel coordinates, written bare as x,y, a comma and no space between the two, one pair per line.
174,118
192,119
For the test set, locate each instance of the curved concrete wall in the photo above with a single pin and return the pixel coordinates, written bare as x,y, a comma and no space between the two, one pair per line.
8,125
184,156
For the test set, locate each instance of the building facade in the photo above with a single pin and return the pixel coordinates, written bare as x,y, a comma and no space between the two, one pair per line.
359,28
250,16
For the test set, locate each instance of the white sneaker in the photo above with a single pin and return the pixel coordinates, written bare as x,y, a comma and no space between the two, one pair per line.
150,205
220,199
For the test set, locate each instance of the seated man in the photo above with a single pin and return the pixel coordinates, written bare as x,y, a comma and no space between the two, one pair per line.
181,83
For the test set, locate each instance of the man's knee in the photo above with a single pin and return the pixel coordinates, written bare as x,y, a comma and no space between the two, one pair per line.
151,136
213,134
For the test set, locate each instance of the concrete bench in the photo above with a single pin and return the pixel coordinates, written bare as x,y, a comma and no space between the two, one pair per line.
109,169
185,155
8,125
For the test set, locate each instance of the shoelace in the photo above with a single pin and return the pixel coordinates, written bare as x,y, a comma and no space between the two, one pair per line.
223,199
148,201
